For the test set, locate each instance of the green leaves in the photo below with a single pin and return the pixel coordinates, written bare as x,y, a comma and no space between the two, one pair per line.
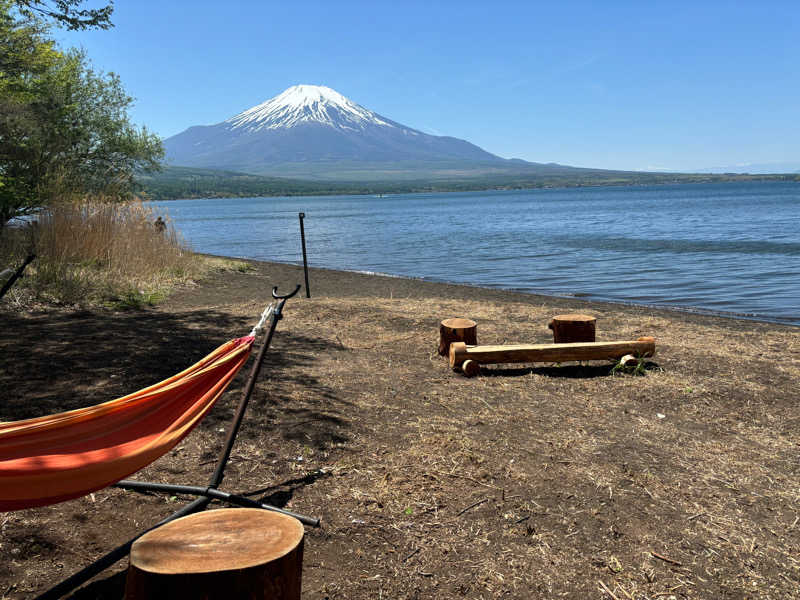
64,128
68,13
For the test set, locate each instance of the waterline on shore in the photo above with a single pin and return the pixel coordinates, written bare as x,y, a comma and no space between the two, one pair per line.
583,298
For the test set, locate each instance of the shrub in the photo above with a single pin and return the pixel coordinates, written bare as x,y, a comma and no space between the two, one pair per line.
93,252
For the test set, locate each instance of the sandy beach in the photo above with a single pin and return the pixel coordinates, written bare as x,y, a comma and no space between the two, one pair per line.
528,481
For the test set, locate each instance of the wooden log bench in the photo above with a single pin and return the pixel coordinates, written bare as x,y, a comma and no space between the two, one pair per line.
218,555
469,358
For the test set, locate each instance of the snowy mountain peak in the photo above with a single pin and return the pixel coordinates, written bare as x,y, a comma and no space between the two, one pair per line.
314,127
301,95
302,104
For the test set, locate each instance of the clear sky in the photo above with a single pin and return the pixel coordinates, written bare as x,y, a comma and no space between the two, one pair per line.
612,84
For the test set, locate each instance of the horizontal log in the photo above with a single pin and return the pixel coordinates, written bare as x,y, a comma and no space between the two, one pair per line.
459,352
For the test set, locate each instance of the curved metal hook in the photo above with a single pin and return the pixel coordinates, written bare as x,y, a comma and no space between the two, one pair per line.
287,296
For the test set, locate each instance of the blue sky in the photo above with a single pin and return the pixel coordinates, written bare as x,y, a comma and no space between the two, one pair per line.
628,85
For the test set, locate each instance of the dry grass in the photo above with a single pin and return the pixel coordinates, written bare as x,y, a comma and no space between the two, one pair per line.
96,251
530,481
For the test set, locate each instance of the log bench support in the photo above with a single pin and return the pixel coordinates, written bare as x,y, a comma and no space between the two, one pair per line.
568,329
456,330
524,353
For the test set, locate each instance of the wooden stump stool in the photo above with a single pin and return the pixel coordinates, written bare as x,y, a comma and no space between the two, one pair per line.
572,328
457,330
219,554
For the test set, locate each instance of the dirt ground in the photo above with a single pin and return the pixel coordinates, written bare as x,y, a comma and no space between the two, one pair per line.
529,481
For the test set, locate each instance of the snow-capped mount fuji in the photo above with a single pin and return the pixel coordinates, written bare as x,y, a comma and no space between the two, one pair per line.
305,104
311,131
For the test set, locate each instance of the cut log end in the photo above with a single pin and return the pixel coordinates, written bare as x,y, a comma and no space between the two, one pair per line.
256,552
648,340
456,330
470,368
458,354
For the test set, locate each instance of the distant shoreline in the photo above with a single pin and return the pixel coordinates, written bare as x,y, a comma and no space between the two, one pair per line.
445,288
192,184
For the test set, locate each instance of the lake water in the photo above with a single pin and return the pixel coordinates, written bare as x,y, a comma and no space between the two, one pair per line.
730,248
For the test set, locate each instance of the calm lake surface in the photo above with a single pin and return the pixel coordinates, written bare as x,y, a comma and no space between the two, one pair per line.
729,248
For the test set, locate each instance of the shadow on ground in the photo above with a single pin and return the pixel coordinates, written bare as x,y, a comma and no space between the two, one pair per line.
108,588
280,494
566,371
63,361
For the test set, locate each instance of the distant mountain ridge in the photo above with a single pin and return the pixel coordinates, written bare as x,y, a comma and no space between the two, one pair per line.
313,126
314,133
768,168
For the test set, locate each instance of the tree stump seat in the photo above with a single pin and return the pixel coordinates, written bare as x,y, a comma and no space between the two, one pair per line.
457,330
572,328
217,555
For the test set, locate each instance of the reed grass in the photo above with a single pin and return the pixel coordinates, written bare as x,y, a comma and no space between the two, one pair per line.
98,252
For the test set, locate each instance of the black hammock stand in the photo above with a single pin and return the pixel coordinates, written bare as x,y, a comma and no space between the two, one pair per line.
15,275
206,493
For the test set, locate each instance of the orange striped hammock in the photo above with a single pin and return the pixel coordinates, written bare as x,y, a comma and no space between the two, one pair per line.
63,456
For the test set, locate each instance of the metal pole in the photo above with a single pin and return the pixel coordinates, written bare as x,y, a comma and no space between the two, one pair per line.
277,315
101,564
213,493
302,216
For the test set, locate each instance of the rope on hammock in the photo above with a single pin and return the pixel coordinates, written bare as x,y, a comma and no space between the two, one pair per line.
259,327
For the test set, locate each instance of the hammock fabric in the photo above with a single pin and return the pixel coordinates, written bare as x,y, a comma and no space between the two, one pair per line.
63,456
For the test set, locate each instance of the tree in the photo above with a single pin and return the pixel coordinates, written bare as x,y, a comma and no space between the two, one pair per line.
69,13
64,128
